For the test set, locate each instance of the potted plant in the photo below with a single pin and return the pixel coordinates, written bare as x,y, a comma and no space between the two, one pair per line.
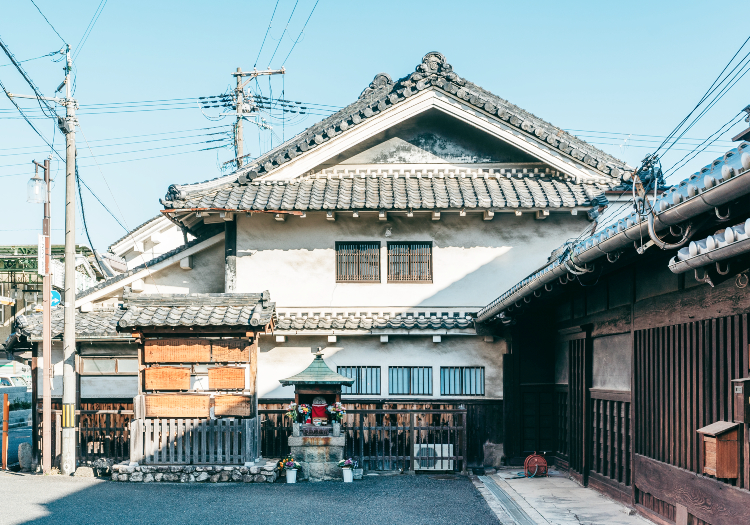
346,467
290,466
304,412
337,416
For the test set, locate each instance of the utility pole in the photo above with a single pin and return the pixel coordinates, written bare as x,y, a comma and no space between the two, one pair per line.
46,327
67,125
239,102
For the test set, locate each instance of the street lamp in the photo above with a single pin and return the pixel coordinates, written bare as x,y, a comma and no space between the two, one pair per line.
36,192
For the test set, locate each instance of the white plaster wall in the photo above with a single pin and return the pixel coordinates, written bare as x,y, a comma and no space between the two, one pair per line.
170,235
207,275
473,260
109,387
280,360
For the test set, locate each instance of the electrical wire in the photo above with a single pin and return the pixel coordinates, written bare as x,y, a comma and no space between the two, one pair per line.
30,59
48,22
40,99
266,35
300,33
282,36
89,28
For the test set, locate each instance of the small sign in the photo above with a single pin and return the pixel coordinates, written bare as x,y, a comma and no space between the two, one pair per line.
40,258
316,431
55,298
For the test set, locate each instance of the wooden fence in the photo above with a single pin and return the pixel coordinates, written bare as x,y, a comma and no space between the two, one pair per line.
194,441
611,449
387,439
99,434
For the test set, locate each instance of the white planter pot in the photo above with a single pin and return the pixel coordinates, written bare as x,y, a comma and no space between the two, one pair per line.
295,429
291,475
348,475
336,429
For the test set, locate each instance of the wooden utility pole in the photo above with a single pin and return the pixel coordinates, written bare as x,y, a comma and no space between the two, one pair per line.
241,110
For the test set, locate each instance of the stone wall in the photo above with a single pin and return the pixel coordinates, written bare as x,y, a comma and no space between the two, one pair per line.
196,474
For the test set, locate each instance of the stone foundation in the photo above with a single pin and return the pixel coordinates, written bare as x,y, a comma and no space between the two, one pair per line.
318,456
196,474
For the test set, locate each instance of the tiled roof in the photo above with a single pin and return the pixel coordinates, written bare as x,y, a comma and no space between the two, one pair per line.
375,322
724,180
383,93
197,310
724,244
132,231
388,189
99,323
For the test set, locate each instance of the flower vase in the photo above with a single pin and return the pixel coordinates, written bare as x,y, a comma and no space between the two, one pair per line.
336,428
295,429
291,475
348,475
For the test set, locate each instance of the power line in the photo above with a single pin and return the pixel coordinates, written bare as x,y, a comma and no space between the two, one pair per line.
48,22
266,35
300,33
30,59
282,35
89,28
40,98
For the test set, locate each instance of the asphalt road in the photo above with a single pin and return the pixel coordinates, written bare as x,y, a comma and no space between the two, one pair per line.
16,436
377,500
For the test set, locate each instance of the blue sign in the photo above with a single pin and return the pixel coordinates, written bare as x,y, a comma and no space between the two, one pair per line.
55,298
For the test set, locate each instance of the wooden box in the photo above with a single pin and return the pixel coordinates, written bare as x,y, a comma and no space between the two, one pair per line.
741,393
233,406
230,351
167,378
226,378
177,405
177,351
720,449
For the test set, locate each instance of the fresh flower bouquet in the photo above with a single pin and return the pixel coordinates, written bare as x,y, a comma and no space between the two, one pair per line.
304,411
337,411
291,411
289,463
346,463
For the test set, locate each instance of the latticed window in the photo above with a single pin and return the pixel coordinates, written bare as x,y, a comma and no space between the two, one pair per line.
462,381
410,262
366,379
410,380
357,262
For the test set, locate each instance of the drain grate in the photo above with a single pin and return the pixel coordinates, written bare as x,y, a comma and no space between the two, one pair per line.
443,476
516,512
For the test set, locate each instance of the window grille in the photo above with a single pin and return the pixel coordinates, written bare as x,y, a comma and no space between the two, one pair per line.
410,380
410,262
366,379
462,381
357,262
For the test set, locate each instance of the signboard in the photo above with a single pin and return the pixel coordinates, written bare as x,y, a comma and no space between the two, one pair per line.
55,298
40,258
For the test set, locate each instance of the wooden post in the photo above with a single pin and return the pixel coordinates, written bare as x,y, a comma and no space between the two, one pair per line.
6,417
463,442
34,407
136,441
411,438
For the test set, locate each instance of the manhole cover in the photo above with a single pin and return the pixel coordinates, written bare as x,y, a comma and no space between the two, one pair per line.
443,476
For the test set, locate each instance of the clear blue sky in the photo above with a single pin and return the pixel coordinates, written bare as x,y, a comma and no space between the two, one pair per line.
623,67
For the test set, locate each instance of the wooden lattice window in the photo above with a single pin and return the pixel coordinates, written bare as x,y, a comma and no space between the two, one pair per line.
366,379
410,380
410,262
358,262
462,381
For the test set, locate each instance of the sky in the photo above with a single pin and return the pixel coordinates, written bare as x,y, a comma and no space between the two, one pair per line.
620,75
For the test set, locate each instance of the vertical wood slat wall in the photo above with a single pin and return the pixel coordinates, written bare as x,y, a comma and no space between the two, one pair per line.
577,404
682,382
610,432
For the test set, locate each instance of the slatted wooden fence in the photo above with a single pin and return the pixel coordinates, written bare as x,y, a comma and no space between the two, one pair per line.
195,441
610,433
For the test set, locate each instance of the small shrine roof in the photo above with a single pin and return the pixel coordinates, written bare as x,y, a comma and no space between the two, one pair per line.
318,373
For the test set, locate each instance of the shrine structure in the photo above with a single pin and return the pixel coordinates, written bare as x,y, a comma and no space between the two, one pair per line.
316,441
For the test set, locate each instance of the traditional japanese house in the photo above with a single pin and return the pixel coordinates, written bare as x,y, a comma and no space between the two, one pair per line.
629,356
380,231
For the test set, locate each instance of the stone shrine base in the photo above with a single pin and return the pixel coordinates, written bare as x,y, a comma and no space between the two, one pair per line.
195,474
318,456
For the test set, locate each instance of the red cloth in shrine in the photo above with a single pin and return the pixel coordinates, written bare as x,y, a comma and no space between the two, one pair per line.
319,411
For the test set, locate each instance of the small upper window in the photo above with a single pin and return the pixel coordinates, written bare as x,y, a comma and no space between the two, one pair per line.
462,381
99,366
357,262
410,262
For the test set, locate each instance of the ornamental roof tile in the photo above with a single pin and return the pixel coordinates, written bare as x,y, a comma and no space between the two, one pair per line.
373,322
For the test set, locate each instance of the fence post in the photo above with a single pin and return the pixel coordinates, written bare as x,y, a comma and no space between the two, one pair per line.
136,441
412,442
6,417
463,442
249,426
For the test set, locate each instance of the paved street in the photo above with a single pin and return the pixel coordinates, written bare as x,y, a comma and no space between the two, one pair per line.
376,500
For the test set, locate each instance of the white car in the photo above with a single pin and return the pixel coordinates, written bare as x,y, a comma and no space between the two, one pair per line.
15,381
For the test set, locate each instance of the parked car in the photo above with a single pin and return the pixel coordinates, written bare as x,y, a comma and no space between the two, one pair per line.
6,380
